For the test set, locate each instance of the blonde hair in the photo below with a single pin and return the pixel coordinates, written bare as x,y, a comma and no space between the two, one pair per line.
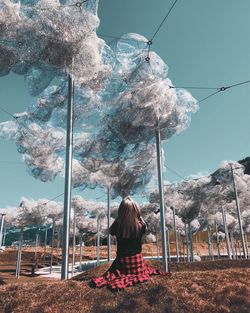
128,219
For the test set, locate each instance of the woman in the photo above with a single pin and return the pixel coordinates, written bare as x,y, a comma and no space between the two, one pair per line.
129,267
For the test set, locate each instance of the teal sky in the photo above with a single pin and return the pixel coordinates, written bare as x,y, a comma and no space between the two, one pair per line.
204,43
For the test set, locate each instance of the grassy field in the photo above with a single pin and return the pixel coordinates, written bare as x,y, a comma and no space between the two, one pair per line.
220,286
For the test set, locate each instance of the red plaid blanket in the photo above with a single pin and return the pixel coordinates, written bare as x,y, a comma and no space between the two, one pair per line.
126,271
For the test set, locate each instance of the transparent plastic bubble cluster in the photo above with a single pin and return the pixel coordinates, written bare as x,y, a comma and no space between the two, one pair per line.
122,95
202,198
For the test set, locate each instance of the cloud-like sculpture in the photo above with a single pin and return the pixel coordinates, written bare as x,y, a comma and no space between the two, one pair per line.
121,96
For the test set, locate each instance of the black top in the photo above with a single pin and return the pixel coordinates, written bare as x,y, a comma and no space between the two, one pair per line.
127,246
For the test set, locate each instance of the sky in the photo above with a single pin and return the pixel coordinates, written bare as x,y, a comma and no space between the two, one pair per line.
204,43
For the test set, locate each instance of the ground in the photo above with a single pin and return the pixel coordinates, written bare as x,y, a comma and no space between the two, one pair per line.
220,286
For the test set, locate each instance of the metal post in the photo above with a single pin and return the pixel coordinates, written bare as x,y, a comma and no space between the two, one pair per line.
217,240
68,174
36,243
1,229
181,252
98,243
239,214
52,246
161,196
187,250
232,244
109,237
19,255
4,235
245,233
45,241
168,244
190,242
226,233
74,243
175,236
81,249
210,243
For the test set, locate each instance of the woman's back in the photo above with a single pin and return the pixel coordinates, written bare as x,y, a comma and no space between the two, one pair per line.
127,246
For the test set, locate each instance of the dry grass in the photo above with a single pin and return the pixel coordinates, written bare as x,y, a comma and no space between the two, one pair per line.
218,287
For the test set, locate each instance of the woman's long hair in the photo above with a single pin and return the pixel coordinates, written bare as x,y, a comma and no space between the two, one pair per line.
128,219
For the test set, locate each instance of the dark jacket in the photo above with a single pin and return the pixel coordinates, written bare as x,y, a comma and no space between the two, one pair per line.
127,246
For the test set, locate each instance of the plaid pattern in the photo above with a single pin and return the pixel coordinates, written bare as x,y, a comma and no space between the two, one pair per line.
126,271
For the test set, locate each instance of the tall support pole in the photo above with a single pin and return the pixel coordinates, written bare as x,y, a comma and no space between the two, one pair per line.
181,250
109,237
98,242
190,242
4,235
210,243
81,235
175,236
226,233
45,241
168,244
74,243
67,188
239,214
1,229
36,244
161,196
232,244
217,240
52,245
187,249
246,243
19,255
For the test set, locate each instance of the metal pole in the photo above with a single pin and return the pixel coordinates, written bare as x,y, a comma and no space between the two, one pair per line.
36,242
210,244
109,237
98,243
81,249
181,252
226,233
217,240
175,236
4,235
68,174
239,214
161,196
52,245
187,250
168,244
246,243
190,242
19,256
232,243
45,241
1,229
74,243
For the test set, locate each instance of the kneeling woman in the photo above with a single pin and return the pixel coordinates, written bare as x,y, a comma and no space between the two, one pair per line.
129,267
